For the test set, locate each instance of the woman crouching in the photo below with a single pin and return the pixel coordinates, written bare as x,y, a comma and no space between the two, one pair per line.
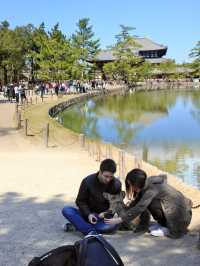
170,208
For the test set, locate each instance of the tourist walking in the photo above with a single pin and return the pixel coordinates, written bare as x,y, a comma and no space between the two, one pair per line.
16,89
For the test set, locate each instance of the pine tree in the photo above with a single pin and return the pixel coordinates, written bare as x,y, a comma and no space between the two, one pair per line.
195,53
85,47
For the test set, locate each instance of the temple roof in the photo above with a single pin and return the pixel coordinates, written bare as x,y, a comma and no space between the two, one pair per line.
144,44
149,45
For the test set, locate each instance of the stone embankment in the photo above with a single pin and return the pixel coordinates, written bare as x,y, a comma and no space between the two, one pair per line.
55,110
163,85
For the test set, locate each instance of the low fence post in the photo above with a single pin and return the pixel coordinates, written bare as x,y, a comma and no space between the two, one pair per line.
16,107
82,140
121,164
46,135
93,149
137,162
98,152
19,120
109,151
26,127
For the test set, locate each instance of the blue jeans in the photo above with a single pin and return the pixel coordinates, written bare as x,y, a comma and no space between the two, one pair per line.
74,216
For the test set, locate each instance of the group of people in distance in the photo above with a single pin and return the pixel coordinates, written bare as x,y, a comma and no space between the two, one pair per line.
148,196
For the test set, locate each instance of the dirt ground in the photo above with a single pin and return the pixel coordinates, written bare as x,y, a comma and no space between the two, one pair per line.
35,185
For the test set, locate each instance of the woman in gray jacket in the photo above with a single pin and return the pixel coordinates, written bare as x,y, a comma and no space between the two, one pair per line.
169,207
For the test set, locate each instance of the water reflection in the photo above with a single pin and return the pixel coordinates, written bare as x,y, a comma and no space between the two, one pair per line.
161,127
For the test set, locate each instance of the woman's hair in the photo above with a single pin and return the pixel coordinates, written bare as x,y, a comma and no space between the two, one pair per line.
135,178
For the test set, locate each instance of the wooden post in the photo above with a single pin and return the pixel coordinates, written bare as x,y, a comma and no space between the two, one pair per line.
16,107
18,120
89,147
46,135
82,140
98,152
26,127
93,149
137,163
109,151
121,164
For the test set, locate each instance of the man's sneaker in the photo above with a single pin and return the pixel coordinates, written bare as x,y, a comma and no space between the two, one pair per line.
68,227
153,227
161,231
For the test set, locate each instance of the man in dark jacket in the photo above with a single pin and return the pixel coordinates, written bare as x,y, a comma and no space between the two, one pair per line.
169,207
90,200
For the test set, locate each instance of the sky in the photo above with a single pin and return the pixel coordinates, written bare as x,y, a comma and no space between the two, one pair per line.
174,23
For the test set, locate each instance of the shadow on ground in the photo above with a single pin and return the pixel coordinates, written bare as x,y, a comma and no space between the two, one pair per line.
6,131
30,228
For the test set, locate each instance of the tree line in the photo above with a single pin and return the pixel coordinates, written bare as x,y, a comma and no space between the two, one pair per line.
51,55
46,55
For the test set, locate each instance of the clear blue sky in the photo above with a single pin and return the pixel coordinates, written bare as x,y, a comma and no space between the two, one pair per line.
175,23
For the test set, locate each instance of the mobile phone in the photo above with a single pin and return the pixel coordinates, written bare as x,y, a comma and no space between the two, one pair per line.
108,215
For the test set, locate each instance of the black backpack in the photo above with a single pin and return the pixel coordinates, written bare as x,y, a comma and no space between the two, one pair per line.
62,256
93,250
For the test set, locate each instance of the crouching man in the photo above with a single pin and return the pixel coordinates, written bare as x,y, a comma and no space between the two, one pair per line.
91,202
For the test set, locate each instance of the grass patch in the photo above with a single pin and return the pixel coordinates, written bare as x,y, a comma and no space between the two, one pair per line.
38,117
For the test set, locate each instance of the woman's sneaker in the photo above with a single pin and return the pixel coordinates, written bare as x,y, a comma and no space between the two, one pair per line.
161,231
68,227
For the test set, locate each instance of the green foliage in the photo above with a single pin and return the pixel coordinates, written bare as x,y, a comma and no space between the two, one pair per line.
84,47
169,69
46,55
13,49
195,53
128,66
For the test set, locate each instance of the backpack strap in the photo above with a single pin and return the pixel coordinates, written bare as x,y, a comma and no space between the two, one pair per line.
111,251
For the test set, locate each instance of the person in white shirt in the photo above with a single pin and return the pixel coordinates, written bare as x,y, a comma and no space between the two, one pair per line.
16,89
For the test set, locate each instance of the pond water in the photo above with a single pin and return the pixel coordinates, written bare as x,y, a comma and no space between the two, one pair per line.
162,127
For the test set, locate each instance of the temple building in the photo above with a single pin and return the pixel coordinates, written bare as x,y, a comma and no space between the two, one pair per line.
149,50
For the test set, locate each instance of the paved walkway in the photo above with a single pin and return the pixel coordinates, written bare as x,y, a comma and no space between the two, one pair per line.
36,183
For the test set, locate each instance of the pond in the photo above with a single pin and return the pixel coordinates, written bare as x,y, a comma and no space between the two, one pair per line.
161,127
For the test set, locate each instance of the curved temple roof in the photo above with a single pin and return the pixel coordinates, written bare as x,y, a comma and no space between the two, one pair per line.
144,44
